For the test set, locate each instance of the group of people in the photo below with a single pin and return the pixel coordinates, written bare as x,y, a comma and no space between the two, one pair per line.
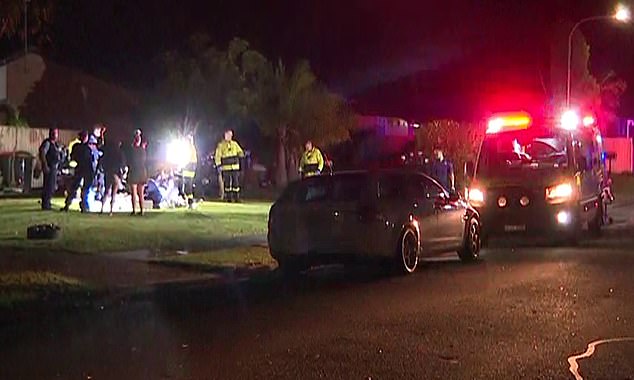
95,161
109,162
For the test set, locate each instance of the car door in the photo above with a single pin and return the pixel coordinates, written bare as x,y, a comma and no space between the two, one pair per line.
347,204
449,215
314,220
418,191
400,195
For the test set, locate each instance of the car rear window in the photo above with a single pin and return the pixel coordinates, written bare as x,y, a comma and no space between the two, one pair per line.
290,193
313,190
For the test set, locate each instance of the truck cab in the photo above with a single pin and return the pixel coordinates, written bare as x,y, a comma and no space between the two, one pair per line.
538,177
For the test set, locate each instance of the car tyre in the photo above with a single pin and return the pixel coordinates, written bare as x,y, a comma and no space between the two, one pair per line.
291,267
472,244
408,251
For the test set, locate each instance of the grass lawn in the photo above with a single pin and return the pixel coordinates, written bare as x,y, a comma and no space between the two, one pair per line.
16,288
245,256
203,229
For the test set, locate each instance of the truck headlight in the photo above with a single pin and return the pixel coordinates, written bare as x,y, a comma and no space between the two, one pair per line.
475,197
559,193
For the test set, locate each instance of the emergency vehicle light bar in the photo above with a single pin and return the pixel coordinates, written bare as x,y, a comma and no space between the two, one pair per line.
570,120
508,122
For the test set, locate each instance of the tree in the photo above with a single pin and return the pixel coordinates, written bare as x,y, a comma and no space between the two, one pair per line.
294,107
611,89
584,86
459,141
587,92
205,86
40,16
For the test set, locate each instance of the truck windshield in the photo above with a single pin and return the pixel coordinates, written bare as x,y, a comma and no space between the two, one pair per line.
522,150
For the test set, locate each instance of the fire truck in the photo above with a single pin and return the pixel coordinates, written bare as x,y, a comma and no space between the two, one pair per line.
540,176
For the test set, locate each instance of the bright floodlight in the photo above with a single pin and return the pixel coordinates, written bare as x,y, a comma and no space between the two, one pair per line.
570,120
178,153
622,14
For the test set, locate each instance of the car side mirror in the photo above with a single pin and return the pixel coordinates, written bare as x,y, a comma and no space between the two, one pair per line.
469,169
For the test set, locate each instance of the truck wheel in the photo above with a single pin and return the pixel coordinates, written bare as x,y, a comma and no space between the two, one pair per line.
574,235
594,225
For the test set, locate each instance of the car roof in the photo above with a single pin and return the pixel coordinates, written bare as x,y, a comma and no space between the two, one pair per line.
380,171
369,172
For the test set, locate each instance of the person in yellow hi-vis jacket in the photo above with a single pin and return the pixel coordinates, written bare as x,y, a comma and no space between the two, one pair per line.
189,171
227,159
312,161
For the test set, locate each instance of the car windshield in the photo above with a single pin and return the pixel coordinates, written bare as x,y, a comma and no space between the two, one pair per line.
523,150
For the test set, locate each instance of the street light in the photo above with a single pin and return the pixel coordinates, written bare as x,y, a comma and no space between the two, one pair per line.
622,14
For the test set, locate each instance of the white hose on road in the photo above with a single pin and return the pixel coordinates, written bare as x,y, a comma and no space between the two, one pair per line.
574,365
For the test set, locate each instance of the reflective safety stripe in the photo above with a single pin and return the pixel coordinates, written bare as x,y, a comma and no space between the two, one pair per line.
310,168
229,160
189,173
235,189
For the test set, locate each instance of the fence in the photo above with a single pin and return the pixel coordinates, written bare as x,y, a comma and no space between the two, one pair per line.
18,154
622,146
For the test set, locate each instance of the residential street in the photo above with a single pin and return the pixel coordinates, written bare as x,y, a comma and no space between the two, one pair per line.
520,313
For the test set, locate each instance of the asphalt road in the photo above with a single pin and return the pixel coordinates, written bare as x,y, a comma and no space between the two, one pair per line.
521,313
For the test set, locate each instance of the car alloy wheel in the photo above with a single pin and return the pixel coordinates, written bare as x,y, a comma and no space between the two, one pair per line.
409,251
473,242
474,239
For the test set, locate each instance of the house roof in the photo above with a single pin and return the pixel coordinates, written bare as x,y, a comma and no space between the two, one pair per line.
69,98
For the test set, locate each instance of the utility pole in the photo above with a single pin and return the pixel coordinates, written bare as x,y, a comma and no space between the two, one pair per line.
26,33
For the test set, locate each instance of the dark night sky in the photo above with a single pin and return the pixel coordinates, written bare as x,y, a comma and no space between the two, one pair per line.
443,46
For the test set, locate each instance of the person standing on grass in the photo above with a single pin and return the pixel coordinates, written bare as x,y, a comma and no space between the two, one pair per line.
112,162
84,172
50,155
227,159
136,158
312,161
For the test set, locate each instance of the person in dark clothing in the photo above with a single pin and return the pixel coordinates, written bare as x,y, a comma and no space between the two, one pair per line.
136,159
112,162
442,170
84,171
50,155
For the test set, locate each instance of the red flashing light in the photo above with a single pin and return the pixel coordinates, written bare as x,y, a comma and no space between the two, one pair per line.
508,122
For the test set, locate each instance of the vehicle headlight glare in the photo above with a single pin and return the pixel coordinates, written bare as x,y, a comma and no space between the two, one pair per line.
559,193
475,196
